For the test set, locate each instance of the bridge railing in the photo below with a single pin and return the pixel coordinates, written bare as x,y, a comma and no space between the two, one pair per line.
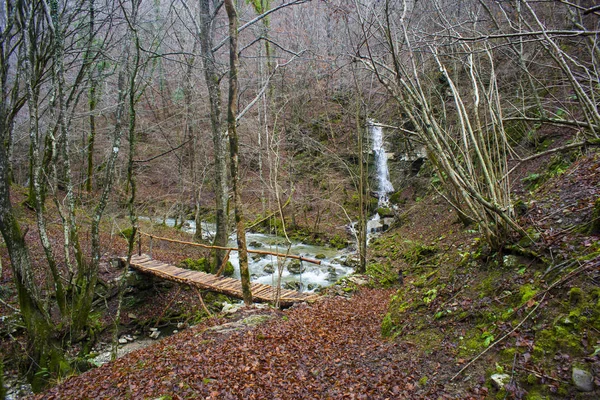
212,247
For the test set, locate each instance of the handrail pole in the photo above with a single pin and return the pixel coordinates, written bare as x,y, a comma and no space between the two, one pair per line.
205,246
150,251
139,243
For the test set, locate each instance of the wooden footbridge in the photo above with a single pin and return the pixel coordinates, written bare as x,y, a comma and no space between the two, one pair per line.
231,287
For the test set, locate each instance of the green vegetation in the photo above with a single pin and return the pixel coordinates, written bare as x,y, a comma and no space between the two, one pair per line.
558,165
417,252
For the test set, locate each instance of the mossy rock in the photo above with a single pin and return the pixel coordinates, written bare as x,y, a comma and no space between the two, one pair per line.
204,265
292,285
417,252
385,212
320,256
269,269
296,267
200,264
229,269
338,242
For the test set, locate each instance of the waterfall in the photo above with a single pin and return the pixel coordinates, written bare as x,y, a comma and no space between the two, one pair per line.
383,174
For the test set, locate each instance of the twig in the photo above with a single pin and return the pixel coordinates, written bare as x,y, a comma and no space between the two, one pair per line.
9,306
167,307
202,301
501,339
539,375
512,373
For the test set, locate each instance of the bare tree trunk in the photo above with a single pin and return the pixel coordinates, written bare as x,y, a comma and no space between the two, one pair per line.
234,149
92,99
220,148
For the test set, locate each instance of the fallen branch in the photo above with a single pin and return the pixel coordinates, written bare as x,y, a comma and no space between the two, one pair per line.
500,340
540,375
9,306
202,301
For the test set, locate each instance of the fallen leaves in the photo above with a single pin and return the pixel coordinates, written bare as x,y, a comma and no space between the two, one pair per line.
332,349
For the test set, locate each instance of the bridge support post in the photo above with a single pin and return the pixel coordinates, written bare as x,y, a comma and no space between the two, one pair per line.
139,243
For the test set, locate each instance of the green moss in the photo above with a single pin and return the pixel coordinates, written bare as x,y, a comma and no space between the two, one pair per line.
395,198
418,252
508,355
527,292
200,264
534,395
385,212
204,265
384,274
387,326
557,166
338,242
427,339
489,285
126,233
423,381
531,379
575,296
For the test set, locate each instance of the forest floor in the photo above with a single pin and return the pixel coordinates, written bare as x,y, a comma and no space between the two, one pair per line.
460,315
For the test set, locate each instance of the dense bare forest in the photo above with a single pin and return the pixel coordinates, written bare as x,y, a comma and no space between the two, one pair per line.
128,120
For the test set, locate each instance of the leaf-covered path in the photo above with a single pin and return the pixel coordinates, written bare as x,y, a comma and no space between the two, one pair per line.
331,349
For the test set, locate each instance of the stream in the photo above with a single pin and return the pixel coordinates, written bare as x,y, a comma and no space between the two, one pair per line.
306,277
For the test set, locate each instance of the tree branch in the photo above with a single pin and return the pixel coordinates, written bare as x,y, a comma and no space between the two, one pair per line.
258,18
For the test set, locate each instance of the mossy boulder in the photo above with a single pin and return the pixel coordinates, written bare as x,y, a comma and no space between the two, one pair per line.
269,269
296,267
385,212
200,264
292,285
338,242
204,265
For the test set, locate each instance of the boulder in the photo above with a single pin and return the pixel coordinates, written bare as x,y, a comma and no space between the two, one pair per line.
296,267
154,334
293,285
229,308
269,269
583,380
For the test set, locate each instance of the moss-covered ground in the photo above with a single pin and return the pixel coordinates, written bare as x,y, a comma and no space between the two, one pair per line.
531,311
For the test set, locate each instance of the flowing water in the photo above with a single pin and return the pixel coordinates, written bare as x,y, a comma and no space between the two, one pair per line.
384,184
264,269
383,174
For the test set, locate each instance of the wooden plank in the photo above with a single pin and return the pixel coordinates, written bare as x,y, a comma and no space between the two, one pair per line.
226,285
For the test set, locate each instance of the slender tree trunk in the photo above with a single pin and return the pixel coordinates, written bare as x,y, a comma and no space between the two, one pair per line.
362,195
234,148
220,147
92,100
